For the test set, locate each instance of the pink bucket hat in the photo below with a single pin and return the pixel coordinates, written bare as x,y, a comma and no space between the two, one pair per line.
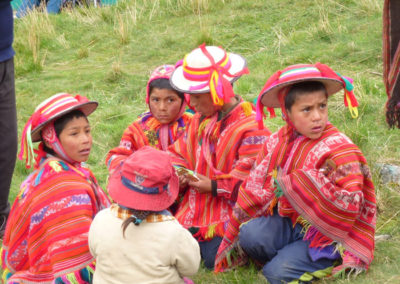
272,95
146,181
209,69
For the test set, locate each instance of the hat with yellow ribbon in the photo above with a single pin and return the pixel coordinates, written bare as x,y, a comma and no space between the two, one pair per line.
209,69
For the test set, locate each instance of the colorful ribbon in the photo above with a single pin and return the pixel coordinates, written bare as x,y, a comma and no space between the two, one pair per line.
213,76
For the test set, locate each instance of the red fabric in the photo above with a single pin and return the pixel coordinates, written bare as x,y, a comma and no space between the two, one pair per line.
233,143
325,182
142,132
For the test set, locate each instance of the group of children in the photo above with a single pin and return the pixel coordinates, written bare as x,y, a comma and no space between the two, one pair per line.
216,185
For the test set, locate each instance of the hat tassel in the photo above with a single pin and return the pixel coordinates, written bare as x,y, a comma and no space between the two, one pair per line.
26,151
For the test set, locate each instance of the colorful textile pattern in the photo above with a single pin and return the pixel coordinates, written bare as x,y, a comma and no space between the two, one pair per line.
391,46
145,131
233,145
323,184
124,214
391,60
46,237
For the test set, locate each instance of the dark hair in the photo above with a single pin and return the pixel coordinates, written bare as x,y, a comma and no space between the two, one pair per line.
137,216
163,83
303,88
59,125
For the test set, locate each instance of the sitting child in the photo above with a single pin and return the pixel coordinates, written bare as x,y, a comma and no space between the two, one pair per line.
137,240
310,198
46,235
161,126
220,144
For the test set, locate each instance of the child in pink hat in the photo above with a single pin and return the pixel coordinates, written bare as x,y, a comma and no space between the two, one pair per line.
46,234
307,209
220,144
161,125
137,240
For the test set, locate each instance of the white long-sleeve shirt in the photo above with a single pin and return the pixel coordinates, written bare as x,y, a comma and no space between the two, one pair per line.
157,252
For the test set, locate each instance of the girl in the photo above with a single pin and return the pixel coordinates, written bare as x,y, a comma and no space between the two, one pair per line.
46,235
309,200
161,126
137,240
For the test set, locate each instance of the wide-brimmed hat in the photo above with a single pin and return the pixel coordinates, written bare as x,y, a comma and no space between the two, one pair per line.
209,69
146,181
55,107
49,110
296,74
333,82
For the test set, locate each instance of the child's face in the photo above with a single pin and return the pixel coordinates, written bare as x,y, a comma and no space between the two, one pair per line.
309,114
76,139
164,105
203,104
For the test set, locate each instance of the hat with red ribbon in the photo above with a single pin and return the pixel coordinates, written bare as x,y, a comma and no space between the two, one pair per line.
274,90
47,112
209,69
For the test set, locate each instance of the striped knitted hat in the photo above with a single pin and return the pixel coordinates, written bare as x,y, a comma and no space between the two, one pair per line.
48,111
271,95
209,69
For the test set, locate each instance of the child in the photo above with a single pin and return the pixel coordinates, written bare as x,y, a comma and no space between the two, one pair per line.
220,144
137,240
46,235
159,127
310,198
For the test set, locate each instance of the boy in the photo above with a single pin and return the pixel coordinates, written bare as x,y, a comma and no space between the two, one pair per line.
220,144
310,198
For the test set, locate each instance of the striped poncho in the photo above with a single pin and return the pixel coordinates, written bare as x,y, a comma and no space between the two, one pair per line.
324,184
234,144
46,238
145,131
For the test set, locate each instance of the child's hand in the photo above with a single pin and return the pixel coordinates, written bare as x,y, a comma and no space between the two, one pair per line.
203,185
183,181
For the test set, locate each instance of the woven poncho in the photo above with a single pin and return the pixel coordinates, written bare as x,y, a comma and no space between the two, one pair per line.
145,131
234,144
46,237
326,187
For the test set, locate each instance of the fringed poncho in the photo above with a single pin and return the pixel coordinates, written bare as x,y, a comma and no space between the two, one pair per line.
234,142
46,238
324,184
145,131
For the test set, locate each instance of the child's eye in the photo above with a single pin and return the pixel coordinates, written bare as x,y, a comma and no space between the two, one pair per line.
87,131
323,106
171,100
306,109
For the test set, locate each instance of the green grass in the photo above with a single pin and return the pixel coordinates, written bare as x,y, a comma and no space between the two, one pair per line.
108,53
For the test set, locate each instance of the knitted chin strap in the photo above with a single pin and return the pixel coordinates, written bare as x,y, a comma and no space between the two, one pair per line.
49,135
220,88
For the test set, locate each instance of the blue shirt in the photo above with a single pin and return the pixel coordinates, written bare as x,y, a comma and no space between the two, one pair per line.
6,30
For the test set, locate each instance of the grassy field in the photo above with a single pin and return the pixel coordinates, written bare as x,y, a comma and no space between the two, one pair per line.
108,53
